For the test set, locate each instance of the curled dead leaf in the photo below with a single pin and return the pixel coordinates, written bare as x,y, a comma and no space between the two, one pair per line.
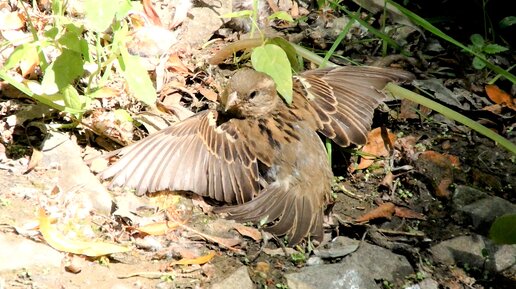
61,243
499,96
199,261
385,210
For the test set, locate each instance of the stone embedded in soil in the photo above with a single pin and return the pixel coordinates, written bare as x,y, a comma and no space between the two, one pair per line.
339,247
237,280
360,269
335,276
478,208
469,250
17,253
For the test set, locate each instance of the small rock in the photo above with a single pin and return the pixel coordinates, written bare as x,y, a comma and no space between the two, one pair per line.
335,276
482,213
469,250
465,195
379,263
339,247
17,253
425,284
237,280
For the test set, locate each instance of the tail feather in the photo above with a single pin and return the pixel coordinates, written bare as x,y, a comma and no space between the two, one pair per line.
286,212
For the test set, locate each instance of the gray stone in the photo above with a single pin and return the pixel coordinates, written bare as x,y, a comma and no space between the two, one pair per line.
482,213
332,276
464,195
237,280
360,269
379,263
338,247
17,253
61,152
476,251
425,284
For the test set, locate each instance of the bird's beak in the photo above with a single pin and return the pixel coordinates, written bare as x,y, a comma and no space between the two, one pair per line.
231,101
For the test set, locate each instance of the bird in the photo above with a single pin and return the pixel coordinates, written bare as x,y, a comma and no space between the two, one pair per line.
261,157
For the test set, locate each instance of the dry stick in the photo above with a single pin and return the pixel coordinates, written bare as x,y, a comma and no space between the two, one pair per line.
232,48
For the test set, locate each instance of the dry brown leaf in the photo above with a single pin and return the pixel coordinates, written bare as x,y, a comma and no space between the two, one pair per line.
442,187
385,210
387,180
208,93
199,261
408,110
61,243
408,213
159,228
151,13
11,21
174,63
250,232
377,146
36,157
499,96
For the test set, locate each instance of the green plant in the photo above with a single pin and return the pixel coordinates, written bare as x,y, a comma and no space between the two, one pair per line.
77,59
481,48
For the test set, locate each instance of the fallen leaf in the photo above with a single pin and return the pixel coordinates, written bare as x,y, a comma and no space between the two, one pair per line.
34,159
385,210
11,21
408,110
61,243
248,231
174,63
208,93
377,145
160,228
442,188
151,13
199,261
408,213
499,96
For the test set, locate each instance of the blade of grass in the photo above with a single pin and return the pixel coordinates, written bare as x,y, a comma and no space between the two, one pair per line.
434,30
451,114
339,39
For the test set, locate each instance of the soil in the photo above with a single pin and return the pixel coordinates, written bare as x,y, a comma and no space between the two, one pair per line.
416,185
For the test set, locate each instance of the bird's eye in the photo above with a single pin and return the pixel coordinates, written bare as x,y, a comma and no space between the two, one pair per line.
253,94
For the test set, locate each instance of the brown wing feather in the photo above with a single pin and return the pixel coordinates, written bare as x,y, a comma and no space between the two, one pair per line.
193,155
342,100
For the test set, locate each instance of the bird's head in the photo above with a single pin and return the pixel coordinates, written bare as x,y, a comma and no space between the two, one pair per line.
250,94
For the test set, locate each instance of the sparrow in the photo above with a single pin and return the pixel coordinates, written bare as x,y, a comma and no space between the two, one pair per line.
259,155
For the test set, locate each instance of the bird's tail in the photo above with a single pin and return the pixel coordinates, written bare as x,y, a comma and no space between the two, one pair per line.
287,212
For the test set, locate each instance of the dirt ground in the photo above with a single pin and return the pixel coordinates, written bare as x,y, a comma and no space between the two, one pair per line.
415,179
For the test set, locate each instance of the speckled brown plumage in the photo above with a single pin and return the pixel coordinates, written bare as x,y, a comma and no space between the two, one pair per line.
260,155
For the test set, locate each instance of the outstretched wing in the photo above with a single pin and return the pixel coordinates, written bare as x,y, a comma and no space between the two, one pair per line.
194,155
342,99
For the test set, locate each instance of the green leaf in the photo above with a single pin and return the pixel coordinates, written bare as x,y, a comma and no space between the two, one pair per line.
20,53
478,63
507,21
503,229
51,33
281,15
100,14
137,78
273,61
71,39
494,48
289,49
74,102
477,40
238,14
65,69
123,115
